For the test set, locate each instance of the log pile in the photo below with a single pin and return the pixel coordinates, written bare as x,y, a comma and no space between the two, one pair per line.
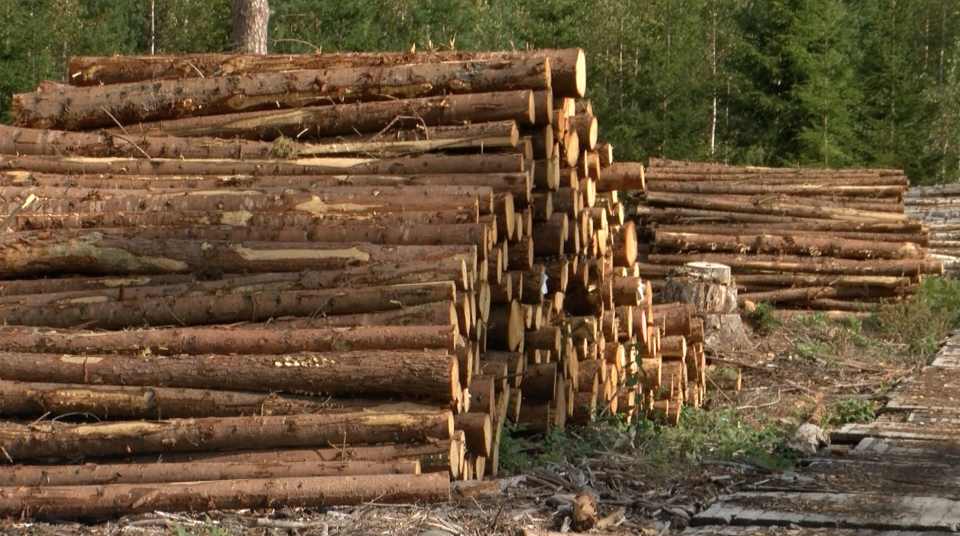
293,275
938,207
807,238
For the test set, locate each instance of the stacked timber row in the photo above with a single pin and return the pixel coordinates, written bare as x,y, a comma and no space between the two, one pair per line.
939,209
353,264
808,238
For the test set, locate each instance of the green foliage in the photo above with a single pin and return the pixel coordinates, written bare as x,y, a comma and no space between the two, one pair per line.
209,529
720,434
851,410
762,315
921,322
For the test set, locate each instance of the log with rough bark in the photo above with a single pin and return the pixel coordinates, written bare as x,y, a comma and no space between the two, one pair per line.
93,252
773,207
792,244
752,188
479,431
132,402
586,127
424,373
827,231
797,264
92,474
428,165
51,440
253,339
128,104
28,141
323,122
98,502
505,328
622,176
568,66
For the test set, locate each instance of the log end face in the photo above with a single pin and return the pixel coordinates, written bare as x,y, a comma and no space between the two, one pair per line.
580,73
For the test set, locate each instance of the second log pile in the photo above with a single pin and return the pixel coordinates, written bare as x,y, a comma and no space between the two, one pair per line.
939,208
281,303
812,238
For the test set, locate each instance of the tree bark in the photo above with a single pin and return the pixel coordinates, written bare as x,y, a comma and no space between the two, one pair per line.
801,244
423,373
132,402
427,165
129,104
250,21
92,474
354,119
23,442
478,430
810,265
918,238
622,176
228,309
98,253
568,66
736,188
774,207
97,502
586,128
243,339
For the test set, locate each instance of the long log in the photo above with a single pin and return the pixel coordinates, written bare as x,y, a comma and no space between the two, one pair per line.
794,244
424,373
811,265
28,141
243,218
750,188
31,254
348,119
568,66
133,402
809,280
227,309
49,440
231,340
135,102
922,239
429,164
114,289
622,176
773,207
92,474
121,499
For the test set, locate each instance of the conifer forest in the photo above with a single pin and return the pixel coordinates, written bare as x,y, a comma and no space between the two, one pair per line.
831,83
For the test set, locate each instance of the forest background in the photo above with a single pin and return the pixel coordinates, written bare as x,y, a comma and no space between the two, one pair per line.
837,83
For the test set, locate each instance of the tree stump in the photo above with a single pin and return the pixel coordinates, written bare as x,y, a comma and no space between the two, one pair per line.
709,287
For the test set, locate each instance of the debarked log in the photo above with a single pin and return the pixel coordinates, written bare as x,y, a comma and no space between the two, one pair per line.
120,499
429,374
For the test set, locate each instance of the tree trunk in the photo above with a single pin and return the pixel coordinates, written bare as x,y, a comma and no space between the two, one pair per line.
354,119
549,237
243,218
626,176
250,21
129,104
810,280
28,141
91,474
98,253
97,502
478,430
228,309
427,165
423,373
815,265
774,207
750,188
567,66
801,244
586,128
242,339
918,238
540,382
132,402
23,442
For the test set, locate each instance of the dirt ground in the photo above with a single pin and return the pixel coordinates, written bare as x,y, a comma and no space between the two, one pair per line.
647,480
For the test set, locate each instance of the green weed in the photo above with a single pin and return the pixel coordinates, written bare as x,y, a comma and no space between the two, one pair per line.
921,322
209,529
851,410
762,316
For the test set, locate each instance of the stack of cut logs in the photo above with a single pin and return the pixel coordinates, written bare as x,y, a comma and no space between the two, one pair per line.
809,238
337,267
939,208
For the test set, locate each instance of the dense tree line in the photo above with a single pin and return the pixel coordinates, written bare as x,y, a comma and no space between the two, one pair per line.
870,83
